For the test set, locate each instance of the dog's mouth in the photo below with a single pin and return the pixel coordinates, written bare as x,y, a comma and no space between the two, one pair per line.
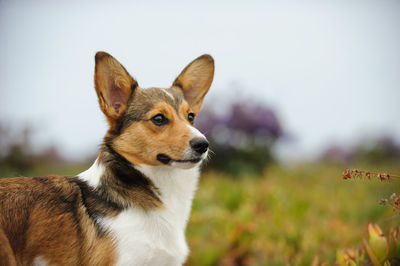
165,159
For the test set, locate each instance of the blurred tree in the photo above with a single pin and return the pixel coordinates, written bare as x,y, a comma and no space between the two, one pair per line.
16,150
379,150
241,138
370,151
17,155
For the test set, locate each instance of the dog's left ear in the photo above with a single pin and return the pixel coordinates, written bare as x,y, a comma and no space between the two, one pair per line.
195,80
114,86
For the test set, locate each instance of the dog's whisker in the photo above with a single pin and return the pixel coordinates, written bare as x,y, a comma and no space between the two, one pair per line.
146,173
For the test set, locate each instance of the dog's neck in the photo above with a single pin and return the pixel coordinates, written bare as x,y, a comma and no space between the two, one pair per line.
116,180
176,187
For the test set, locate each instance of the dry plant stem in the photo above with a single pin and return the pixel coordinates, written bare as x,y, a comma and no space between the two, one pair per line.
356,173
393,201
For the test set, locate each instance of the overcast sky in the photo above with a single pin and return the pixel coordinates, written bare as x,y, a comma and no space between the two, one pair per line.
330,69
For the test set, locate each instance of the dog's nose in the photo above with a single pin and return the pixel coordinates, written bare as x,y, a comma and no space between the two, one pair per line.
200,145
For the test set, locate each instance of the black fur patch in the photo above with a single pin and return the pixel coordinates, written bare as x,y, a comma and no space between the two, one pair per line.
97,205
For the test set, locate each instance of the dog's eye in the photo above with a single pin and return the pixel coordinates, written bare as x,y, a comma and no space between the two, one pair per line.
191,117
159,120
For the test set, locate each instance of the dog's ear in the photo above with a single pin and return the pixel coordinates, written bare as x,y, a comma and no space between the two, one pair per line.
114,86
195,80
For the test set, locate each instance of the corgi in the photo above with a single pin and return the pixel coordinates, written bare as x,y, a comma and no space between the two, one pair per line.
132,205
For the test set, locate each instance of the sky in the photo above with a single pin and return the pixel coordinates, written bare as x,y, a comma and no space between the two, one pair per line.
330,69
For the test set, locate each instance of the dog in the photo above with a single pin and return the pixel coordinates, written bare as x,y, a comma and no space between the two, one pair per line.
132,205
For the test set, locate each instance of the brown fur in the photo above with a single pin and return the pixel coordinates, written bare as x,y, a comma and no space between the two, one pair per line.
56,218
46,217
6,253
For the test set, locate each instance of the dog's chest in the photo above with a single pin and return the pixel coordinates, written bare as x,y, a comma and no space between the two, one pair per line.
156,237
147,238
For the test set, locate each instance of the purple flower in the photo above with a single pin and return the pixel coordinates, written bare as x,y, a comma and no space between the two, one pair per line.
243,125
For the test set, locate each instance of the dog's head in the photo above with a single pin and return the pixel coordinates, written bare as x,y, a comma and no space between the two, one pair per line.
154,126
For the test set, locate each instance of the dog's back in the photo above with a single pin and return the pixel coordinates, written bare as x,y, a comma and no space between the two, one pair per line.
47,216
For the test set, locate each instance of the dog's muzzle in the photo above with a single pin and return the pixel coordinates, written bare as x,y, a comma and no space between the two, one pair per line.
198,146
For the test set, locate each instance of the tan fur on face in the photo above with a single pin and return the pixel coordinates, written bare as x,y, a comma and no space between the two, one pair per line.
58,220
142,141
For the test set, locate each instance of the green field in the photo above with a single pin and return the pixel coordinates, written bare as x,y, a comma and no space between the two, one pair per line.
286,216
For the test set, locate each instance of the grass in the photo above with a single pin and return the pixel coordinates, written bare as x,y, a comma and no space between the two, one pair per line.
286,216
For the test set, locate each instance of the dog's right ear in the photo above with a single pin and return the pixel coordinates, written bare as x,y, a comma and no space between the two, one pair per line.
114,86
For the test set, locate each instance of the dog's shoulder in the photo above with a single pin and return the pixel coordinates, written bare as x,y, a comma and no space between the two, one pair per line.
36,190
51,218
28,202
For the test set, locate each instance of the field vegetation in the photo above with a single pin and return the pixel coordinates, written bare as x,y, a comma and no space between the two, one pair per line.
251,210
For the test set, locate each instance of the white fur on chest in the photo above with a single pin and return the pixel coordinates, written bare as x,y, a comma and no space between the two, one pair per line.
157,237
